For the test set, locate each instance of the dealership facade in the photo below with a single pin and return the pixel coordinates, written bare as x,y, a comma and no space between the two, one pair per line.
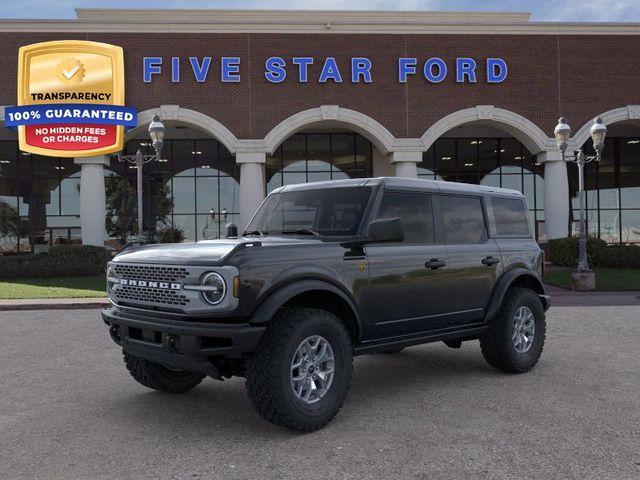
252,100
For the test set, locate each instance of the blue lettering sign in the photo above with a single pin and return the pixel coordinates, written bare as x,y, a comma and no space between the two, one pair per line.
275,69
151,66
428,70
496,70
230,69
330,71
303,66
360,67
175,69
406,66
200,71
465,67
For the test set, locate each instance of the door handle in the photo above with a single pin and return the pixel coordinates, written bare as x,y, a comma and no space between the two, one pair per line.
488,261
434,264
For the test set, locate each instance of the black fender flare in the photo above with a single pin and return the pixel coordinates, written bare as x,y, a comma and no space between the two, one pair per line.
281,295
506,280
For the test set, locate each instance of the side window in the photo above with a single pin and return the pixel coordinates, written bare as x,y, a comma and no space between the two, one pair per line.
510,216
463,219
415,211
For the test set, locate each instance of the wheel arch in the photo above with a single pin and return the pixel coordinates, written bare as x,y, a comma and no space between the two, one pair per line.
311,293
516,277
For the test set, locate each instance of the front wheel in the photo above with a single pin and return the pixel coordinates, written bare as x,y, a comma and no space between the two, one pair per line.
300,373
515,338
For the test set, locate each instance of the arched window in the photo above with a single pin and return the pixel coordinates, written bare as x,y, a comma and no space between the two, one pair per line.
313,157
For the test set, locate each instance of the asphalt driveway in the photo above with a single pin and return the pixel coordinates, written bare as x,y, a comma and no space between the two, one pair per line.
69,410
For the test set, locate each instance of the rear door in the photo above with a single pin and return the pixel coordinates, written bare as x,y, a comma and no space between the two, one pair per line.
474,259
405,277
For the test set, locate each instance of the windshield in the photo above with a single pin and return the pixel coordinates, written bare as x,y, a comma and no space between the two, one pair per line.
327,212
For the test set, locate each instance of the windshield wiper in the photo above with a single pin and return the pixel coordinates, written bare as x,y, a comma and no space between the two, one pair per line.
254,232
301,231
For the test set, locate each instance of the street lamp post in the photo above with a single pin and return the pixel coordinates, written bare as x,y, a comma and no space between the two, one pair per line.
156,133
598,132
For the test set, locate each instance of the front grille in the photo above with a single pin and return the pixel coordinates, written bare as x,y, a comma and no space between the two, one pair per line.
153,273
150,295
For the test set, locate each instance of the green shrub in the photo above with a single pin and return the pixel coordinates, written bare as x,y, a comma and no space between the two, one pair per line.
61,261
564,252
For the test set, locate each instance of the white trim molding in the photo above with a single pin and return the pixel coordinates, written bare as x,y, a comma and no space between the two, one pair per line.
199,21
531,136
373,130
200,120
622,114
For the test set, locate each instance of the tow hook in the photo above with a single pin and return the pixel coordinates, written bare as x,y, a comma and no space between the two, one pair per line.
173,343
114,331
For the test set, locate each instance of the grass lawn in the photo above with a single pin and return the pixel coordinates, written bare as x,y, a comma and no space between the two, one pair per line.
606,278
71,287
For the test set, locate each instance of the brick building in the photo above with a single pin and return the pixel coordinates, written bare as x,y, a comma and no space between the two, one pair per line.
256,99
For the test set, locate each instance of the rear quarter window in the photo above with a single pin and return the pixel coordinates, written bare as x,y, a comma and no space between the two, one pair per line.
510,217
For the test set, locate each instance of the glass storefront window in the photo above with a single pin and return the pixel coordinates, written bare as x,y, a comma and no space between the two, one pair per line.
315,157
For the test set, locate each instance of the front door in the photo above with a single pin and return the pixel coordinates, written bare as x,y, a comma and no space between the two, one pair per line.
406,278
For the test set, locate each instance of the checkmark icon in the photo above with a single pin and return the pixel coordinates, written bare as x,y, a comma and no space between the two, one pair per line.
71,73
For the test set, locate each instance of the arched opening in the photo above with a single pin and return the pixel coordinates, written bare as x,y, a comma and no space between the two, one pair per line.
612,186
326,143
194,188
485,154
318,154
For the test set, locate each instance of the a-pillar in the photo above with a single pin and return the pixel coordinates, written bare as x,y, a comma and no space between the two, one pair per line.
406,163
252,184
93,208
556,194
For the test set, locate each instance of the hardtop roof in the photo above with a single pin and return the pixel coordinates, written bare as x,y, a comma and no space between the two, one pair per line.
403,182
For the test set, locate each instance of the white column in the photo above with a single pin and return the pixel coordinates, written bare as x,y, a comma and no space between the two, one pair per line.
93,208
406,163
252,184
556,194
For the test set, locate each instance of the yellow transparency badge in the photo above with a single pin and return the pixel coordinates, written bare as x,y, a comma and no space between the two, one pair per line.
71,99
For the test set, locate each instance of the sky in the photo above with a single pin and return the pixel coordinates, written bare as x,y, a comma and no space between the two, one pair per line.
542,10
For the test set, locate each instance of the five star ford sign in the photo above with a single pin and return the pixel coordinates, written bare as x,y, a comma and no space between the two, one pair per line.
70,99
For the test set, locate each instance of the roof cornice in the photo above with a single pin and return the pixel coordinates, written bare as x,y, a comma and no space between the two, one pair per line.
309,21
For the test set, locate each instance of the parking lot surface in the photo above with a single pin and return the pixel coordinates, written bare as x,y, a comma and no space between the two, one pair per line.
69,410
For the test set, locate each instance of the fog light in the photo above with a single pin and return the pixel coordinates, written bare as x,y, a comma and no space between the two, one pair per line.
215,288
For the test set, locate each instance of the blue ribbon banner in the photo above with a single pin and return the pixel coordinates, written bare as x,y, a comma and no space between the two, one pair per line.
70,113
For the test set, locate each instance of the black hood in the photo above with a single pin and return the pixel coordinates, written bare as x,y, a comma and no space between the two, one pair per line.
206,252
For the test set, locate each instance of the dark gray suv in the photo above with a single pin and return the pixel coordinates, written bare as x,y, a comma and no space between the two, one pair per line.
325,271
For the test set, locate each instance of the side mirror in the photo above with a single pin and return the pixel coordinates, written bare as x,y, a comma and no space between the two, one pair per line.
232,230
386,230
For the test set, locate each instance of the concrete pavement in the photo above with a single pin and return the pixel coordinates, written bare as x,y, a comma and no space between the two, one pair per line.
69,410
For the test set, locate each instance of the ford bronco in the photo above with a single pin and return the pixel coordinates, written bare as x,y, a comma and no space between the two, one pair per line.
325,271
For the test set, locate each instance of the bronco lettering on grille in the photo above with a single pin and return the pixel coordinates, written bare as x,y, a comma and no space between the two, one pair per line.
150,284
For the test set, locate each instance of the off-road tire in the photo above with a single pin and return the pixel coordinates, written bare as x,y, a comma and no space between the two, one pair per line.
496,344
155,376
268,381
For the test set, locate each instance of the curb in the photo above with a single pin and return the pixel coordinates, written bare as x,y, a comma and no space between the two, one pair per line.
53,304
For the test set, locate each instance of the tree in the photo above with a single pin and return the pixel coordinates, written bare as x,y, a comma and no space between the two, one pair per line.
9,222
122,208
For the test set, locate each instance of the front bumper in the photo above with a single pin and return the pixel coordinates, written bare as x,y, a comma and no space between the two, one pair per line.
189,346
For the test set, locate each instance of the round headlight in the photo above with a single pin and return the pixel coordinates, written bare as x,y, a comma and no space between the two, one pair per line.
215,288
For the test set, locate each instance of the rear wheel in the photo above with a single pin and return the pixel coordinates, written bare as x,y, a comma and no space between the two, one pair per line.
515,338
158,377
300,373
